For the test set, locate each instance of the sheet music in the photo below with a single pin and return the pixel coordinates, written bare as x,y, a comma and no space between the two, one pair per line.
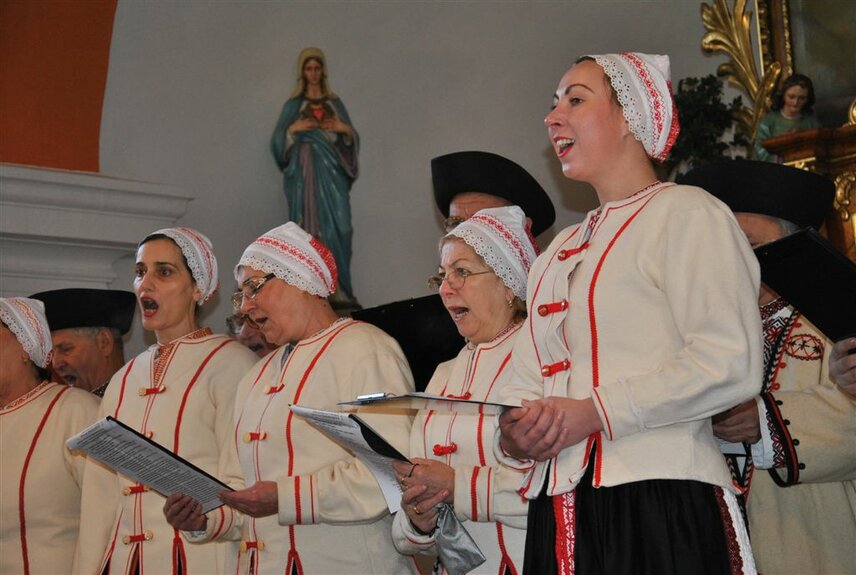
365,443
144,461
421,400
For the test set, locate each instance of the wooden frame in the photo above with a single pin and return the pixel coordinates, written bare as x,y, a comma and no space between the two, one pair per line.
730,31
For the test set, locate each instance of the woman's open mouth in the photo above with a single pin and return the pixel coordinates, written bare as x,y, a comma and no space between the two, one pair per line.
458,313
563,145
148,306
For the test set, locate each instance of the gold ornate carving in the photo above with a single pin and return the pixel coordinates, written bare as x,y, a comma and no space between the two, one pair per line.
779,20
729,32
807,164
845,196
851,115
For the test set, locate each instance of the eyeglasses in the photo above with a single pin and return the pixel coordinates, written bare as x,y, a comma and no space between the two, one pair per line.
249,290
452,222
455,279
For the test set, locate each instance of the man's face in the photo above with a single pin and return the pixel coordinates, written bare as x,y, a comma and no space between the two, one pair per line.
465,205
77,358
760,230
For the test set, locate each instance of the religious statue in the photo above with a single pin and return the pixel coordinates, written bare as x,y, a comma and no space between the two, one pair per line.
316,147
792,111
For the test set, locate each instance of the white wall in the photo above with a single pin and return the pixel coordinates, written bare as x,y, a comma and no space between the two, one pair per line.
194,90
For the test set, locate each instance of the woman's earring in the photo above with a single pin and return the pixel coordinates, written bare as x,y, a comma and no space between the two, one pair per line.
510,303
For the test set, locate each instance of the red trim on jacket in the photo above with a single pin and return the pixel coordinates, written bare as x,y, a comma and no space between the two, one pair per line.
258,377
298,512
293,562
312,498
179,555
538,288
123,386
188,389
22,516
593,322
474,500
293,556
109,554
297,393
506,565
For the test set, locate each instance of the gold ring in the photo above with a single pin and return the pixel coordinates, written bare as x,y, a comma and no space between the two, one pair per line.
416,510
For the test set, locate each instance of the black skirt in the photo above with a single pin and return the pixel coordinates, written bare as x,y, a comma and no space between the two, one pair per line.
655,527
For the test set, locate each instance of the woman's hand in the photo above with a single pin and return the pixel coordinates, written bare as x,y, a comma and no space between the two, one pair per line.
432,475
740,423
260,500
842,366
531,431
542,428
184,513
422,511
303,125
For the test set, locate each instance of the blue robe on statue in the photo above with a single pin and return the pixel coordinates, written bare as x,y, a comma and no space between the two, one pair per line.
318,169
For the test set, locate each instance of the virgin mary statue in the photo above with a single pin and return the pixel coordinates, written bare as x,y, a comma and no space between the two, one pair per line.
316,147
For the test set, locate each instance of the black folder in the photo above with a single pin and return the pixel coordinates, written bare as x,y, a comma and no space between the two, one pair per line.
814,277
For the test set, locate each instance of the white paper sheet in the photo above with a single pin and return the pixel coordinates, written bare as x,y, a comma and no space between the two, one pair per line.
421,400
365,443
142,460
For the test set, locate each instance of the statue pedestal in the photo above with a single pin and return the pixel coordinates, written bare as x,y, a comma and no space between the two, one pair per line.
830,152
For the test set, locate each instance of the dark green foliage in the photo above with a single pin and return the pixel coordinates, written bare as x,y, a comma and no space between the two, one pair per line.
704,118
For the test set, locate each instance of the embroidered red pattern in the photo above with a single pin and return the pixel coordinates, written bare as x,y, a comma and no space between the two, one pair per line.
164,353
329,260
804,346
654,96
735,559
26,397
301,256
34,322
564,509
509,238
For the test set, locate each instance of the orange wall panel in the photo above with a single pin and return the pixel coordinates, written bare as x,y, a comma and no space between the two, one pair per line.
53,70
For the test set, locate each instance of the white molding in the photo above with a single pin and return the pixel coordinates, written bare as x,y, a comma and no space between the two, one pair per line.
67,229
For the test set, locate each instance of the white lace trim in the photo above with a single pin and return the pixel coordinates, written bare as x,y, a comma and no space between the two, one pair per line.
305,282
29,340
200,260
511,272
632,106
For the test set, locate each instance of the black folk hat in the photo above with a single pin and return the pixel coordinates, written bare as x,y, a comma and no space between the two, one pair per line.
798,196
424,330
81,307
487,173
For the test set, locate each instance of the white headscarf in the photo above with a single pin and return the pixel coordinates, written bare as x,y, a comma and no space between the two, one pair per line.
25,318
199,253
501,238
643,85
295,257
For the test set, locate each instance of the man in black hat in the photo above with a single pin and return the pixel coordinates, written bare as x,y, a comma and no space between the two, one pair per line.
87,326
466,182
801,428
